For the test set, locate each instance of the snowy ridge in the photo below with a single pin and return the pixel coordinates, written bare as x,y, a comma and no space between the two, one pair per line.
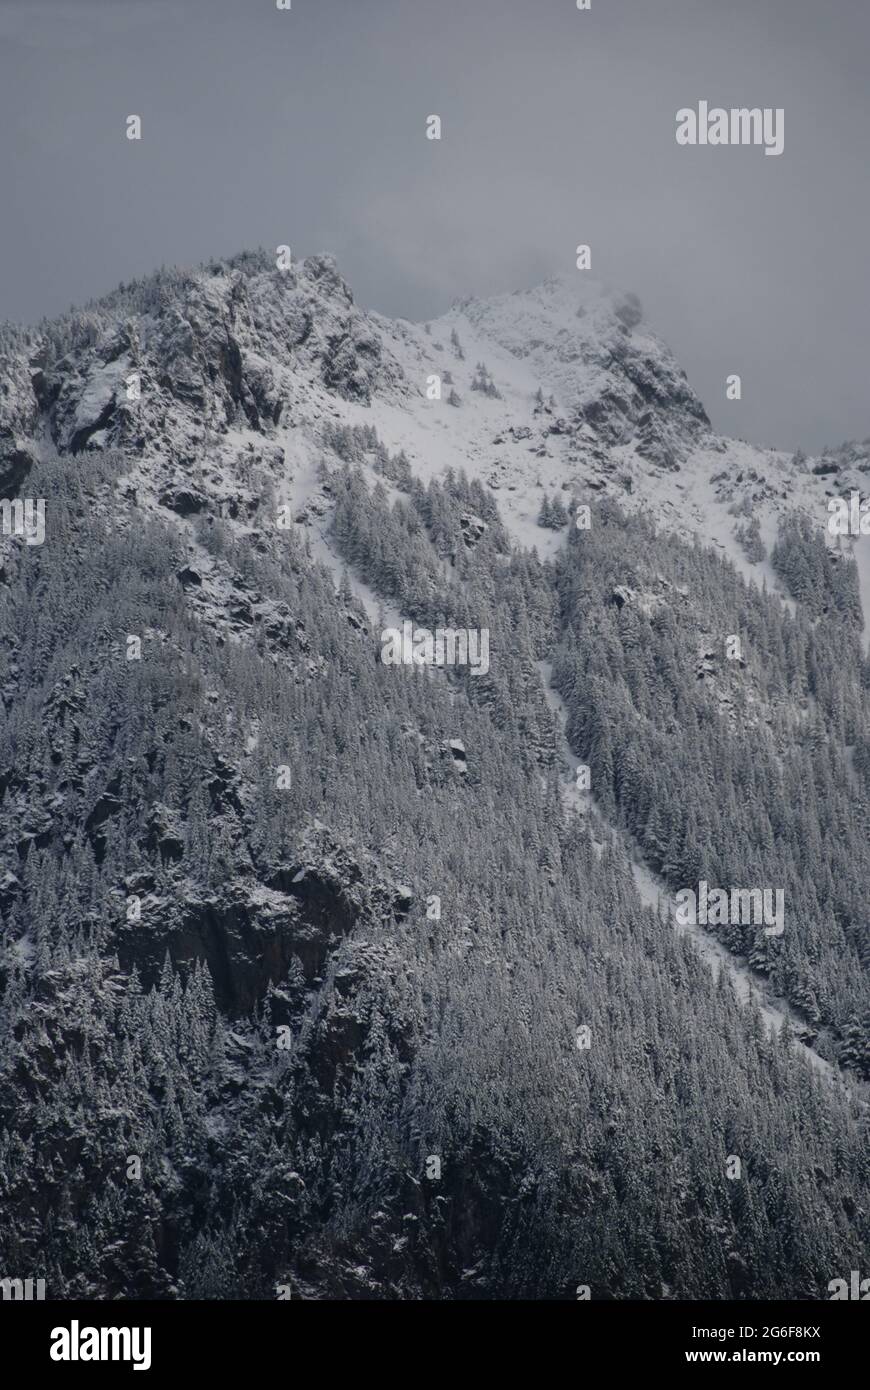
244,363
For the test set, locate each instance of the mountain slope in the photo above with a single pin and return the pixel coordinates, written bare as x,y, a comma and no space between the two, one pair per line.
299,948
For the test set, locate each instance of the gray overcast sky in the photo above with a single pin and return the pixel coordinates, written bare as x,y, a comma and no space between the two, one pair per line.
308,127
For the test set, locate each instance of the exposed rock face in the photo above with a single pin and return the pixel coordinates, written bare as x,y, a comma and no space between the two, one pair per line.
248,936
19,413
621,383
164,371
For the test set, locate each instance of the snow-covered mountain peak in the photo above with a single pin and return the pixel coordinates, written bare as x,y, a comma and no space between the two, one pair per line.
560,387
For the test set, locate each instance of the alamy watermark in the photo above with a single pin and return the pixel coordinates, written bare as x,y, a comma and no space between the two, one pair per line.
849,518
856,1289
22,1290
741,125
77,1343
25,518
446,646
742,907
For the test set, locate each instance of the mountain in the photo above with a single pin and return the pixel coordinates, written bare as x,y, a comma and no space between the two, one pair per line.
328,977
240,353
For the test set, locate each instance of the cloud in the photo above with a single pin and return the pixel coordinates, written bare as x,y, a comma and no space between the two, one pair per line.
76,24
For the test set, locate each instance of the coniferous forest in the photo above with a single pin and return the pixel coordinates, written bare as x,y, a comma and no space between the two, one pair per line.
297,946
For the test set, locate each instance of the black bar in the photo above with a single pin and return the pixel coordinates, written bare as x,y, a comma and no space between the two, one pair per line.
258,1337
